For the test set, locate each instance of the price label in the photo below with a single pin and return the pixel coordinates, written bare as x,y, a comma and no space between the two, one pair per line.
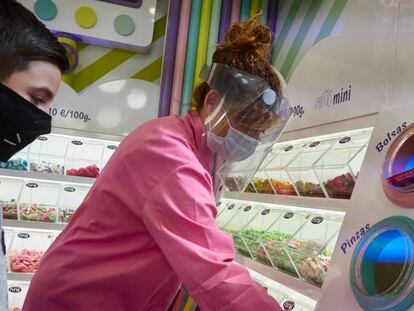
15,289
288,305
288,215
23,235
317,220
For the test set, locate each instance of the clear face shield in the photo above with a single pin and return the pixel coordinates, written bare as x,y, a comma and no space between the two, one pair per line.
245,122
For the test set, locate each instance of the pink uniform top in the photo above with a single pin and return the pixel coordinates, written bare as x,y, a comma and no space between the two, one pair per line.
147,225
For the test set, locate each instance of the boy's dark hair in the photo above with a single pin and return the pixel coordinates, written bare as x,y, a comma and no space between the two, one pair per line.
23,39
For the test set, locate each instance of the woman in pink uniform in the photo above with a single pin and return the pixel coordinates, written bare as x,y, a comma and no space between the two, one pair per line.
148,223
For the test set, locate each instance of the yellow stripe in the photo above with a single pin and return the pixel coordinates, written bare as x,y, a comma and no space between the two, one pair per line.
99,68
188,305
255,7
159,28
111,60
203,34
150,73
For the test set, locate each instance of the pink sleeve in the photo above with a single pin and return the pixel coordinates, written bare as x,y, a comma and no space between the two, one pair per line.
180,216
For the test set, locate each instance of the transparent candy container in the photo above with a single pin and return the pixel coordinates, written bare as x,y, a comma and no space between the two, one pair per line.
308,248
27,249
281,183
8,238
236,224
230,210
71,197
84,158
17,292
334,168
18,162
9,195
282,154
47,154
273,251
261,184
256,229
38,201
108,150
306,182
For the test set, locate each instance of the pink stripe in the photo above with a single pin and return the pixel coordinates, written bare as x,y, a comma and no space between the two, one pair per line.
180,58
235,11
178,300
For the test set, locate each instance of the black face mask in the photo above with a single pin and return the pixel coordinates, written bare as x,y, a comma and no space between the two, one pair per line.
20,123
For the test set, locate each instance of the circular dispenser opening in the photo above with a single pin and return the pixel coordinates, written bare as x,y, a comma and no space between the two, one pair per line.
398,169
381,271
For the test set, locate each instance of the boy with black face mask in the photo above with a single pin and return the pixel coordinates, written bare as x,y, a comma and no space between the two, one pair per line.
31,65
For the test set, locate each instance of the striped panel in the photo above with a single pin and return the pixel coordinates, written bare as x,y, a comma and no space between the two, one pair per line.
301,24
98,65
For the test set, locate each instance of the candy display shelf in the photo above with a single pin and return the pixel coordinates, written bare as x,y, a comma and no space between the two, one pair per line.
339,205
33,225
285,279
13,276
285,222
46,177
40,189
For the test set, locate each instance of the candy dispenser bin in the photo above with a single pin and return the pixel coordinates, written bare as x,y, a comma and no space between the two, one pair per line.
47,154
254,230
236,225
18,162
312,152
261,183
71,196
283,154
338,182
8,238
9,193
17,292
38,201
356,162
315,233
108,150
313,269
306,183
344,149
276,237
27,249
231,209
84,158
312,245
280,182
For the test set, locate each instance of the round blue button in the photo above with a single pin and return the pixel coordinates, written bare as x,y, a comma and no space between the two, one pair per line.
45,9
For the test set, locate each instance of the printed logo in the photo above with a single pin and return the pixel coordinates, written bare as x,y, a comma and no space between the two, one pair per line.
330,98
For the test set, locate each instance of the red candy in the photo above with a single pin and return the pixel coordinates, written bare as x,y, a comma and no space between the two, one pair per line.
26,261
89,171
